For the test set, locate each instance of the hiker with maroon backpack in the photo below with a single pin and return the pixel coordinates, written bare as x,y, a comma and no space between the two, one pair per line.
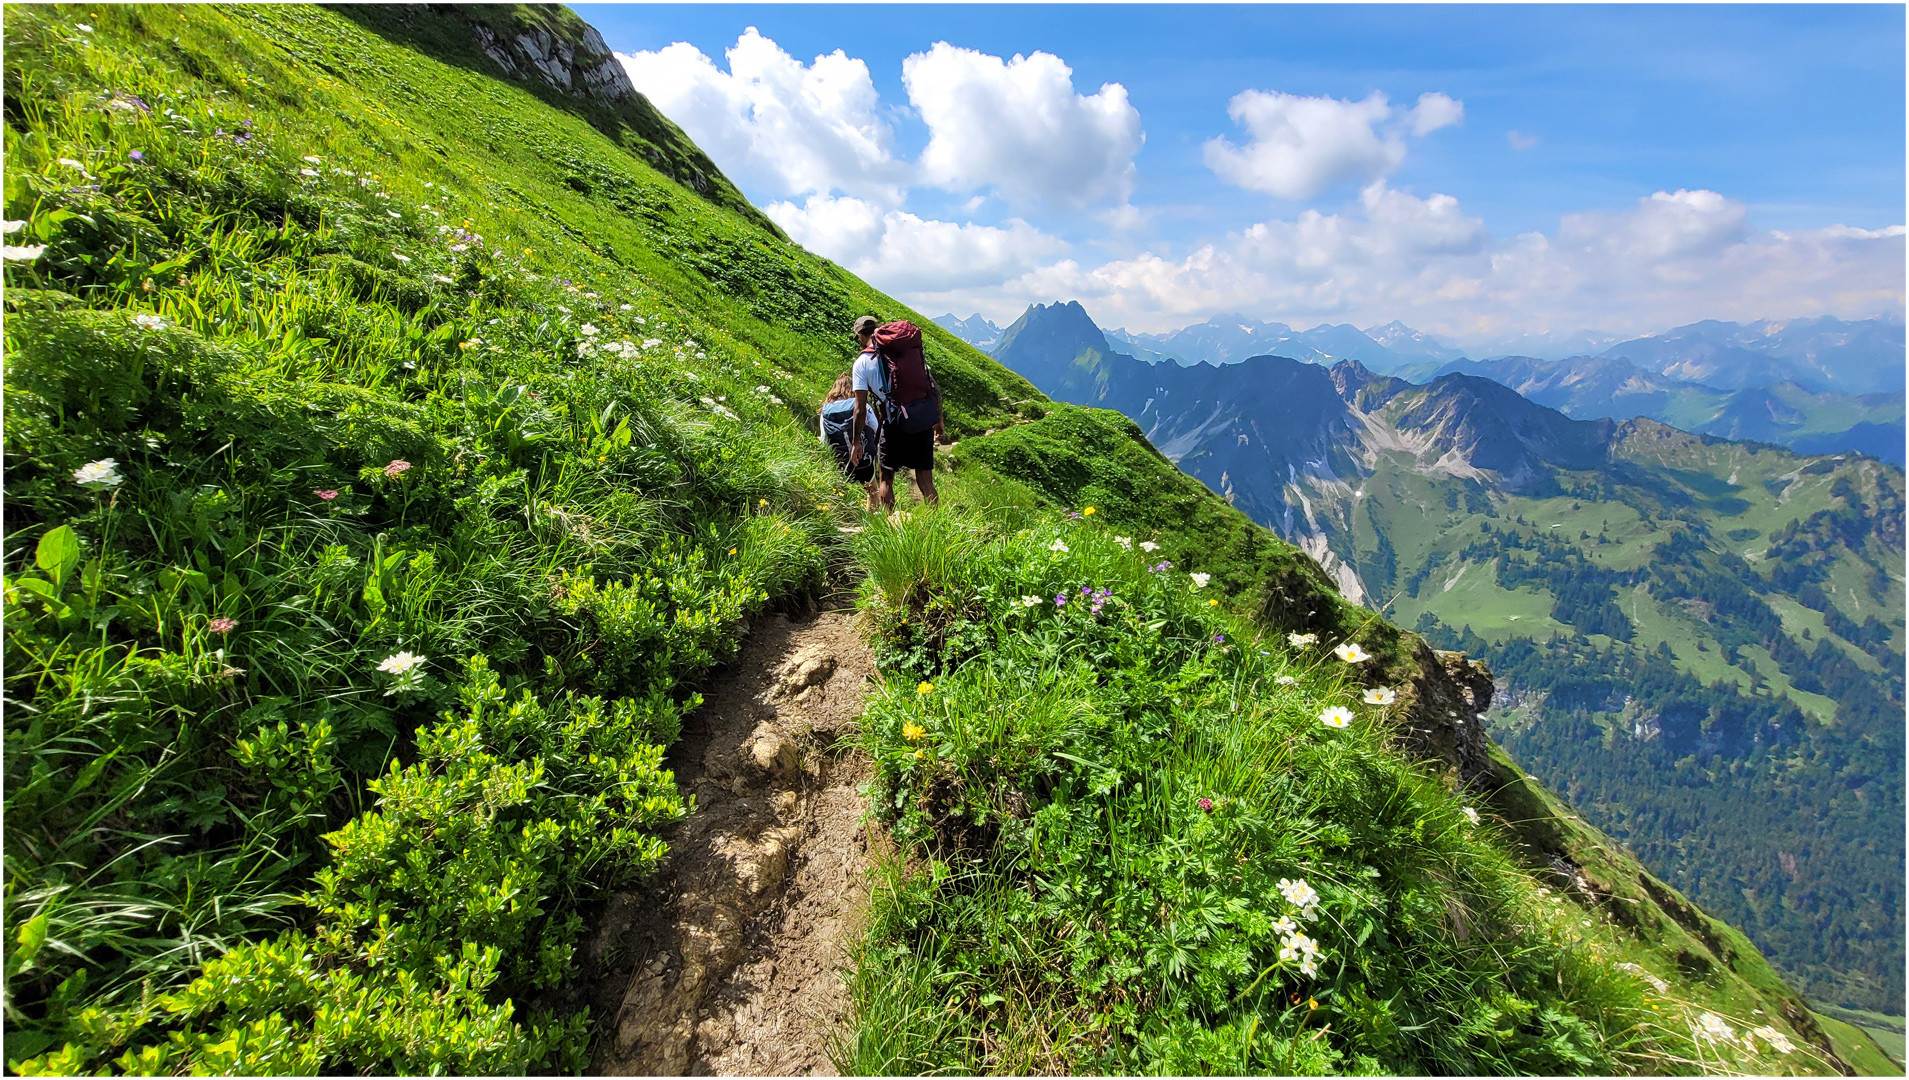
891,376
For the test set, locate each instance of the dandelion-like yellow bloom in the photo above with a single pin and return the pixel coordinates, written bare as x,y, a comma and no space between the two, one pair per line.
921,755
1212,603
762,502
925,688
1088,512
913,732
732,551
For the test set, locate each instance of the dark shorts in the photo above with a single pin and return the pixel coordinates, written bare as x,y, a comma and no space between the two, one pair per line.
901,450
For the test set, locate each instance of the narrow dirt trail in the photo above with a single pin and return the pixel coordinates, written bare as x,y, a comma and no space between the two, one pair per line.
730,961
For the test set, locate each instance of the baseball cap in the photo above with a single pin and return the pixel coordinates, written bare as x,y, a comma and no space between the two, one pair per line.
866,324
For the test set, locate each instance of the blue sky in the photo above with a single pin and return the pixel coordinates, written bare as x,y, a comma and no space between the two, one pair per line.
1619,168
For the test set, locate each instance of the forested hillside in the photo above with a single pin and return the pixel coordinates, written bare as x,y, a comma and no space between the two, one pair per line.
404,422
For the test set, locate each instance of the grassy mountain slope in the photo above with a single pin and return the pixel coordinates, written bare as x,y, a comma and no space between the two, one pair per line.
453,437
1684,628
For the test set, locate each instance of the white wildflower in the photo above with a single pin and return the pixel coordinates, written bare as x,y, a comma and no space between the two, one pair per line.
1778,1041
1300,641
1350,652
1285,925
1380,695
1337,716
1284,680
10,226
308,172
71,164
1030,601
82,28
1148,545
627,307
101,475
400,663
1124,541
1711,1028
1470,814
315,160
441,279
1057,546
1200,580
1298,893
401,257
28,253
149,322
588,330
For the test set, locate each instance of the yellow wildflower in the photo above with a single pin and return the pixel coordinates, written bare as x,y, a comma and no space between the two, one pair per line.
921,755
1088,512
1212,603
913,732
732,551
925,688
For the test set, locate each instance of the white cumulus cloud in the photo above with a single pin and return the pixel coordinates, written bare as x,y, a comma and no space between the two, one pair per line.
1299,146
1020,127
1672,257
772,123
900,252
1434,111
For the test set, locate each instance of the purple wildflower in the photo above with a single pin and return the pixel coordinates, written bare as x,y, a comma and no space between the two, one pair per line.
1206,805
1060,599
1219,639
136,156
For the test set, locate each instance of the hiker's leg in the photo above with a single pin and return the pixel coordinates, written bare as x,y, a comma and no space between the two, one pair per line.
925,483
885,489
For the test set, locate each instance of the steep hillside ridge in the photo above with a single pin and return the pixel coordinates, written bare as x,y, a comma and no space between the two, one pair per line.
1500,527
565,61
461,444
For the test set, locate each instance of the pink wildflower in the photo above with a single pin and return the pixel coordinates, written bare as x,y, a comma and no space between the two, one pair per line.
397,468
222,625
325,493
1206,805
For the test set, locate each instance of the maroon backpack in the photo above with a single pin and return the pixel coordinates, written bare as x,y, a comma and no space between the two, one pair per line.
914,401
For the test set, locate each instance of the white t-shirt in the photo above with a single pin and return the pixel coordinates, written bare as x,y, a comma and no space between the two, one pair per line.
870,374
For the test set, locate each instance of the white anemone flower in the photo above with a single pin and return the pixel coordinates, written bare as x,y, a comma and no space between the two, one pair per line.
1711,1028
22,253
101,475
1057,546
1351,653
1337,717
1200,580
400,663
1030,601
1380,695
1148,545
149,322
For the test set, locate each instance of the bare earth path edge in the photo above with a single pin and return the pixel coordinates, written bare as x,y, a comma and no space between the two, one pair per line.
730,960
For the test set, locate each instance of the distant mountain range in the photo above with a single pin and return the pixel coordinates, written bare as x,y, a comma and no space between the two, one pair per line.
974,330
1814,385
1805,420
1646,596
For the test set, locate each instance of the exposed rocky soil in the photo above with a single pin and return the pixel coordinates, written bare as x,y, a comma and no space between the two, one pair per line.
731,960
